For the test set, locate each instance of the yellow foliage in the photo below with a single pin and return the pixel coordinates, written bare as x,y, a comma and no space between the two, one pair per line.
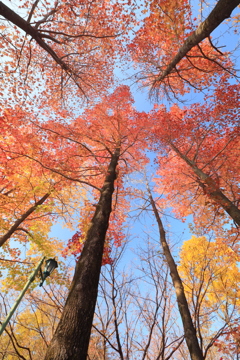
210,271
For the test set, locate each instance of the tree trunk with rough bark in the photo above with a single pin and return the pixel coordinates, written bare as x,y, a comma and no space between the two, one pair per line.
71,339
189,329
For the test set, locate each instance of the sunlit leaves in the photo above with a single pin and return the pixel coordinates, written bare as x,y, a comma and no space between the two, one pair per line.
207,135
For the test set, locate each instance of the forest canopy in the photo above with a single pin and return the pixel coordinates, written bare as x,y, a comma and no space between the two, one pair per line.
119,158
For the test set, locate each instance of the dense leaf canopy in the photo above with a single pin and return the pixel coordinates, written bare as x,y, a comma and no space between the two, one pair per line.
75,151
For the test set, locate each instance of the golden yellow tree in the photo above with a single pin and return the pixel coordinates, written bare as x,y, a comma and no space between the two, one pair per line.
211,277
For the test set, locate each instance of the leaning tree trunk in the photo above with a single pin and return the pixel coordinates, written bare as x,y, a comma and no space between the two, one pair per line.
210,187
71,339
221,11
189,329
24,25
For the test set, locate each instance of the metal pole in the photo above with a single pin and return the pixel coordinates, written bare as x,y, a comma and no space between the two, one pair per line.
17,302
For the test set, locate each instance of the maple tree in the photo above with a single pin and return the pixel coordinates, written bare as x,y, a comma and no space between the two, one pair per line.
220,12
113,139
75,47
202,153
167,47
61,163
31,197
109,138
57,48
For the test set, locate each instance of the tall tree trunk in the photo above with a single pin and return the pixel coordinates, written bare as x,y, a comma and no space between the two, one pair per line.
189,329
211,188
71,339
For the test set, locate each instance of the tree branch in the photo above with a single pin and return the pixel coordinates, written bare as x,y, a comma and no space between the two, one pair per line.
221,11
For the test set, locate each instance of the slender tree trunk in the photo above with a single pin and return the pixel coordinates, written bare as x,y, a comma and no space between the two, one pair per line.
18,222
71,339
220,12
189,329
211,188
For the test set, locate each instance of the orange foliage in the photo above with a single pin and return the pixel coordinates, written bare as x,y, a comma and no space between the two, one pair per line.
154,46
208,135
84,36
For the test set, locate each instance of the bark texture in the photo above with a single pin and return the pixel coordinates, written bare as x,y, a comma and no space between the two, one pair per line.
209,185
189,329
71,339
18,222
221,11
